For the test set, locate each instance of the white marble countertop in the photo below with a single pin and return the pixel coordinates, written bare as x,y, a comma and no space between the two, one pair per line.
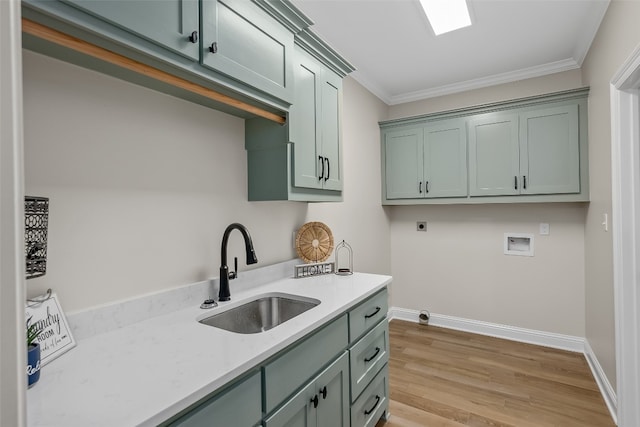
144,373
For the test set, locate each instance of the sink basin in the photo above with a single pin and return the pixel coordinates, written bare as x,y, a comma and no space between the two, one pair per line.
260,314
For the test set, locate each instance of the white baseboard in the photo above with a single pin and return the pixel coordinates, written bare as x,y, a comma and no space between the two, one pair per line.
531,336
513,333
608,393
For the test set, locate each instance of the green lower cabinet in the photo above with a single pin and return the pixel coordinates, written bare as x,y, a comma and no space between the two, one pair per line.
373,402
323,402
239,405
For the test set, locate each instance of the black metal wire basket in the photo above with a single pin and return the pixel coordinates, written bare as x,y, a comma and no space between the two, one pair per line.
36,224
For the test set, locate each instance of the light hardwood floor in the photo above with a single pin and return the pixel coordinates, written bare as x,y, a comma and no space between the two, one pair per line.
442,377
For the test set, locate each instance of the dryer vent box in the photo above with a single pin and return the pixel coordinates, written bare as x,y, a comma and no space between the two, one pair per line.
518,244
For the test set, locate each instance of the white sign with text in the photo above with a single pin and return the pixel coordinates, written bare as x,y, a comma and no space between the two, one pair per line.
55,336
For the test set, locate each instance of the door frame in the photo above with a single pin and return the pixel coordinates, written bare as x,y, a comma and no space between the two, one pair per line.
13,346
625,175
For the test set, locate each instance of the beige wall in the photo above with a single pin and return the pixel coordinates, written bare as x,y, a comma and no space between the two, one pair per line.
458,267
142,186
616,39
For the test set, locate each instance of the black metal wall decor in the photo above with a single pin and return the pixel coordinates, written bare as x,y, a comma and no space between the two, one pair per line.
36,224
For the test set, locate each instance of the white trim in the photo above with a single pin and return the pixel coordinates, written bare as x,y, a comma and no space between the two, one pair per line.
13,347
512,76
530,336
625,177
513,333
607,391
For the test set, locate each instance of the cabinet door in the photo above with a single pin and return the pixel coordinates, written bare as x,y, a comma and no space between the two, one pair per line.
168,23
494,159
445,159
323,402
331,89
244,42
308,164
404,163
550,151
297,412
333,393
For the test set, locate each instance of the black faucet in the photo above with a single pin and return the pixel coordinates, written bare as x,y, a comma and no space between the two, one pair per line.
225,275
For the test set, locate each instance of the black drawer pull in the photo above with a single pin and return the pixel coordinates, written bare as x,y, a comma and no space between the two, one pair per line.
374,406
369,316
515,182
315,401
524,182
321,159
369,359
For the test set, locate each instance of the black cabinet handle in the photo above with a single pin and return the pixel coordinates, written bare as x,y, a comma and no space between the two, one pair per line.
369,316
214,47
321,159
369,359
374,406
420,187
193,38
328,168
323,392
515,182
524,182
426,187
315,401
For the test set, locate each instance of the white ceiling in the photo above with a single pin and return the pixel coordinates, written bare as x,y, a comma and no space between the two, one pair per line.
399,59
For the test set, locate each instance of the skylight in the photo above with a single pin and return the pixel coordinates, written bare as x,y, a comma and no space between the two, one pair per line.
446,15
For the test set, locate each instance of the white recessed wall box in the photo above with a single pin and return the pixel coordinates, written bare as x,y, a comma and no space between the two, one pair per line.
518,244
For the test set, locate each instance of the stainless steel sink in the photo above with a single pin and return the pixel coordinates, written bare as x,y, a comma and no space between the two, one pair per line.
261,314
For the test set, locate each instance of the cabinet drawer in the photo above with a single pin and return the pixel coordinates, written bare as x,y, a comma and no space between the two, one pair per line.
373,402
240,405
366,315
367,357
292,369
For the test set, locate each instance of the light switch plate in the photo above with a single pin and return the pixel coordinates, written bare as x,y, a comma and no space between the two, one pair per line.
544,229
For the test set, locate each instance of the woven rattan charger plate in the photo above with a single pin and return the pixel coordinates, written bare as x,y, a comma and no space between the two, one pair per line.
314,242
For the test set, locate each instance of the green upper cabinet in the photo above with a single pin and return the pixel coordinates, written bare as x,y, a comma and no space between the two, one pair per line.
302,160
535,152
525,150
233,55
549,151
445,159
315,124
246,43
404,166
172,24
426,162
494,159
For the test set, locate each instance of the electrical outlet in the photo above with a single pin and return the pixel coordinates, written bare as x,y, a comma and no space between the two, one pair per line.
421,225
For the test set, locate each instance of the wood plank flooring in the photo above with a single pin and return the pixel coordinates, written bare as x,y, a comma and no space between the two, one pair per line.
445,378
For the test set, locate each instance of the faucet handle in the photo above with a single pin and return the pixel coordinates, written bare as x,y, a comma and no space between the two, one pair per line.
234,274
